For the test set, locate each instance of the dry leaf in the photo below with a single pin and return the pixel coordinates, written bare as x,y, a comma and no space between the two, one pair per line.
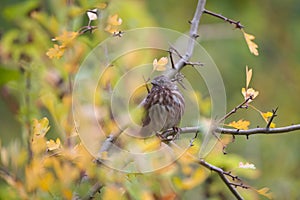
265,192
161,64
250,92
252,46
114,20
248,76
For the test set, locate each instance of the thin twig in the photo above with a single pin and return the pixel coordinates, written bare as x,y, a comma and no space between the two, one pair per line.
93,190
236,23
272,117
219,171
235,109
222,175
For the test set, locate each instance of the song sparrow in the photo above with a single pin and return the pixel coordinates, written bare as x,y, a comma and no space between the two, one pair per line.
164,107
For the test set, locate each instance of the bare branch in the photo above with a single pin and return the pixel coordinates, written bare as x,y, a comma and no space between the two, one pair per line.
242,105
223,174
236,23
191,42
248,132
93,191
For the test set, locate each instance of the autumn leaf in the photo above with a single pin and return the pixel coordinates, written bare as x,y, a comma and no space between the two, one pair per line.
265,192
66,38
160,65
250,92
40,127
53,145
188,183
248,76
241,124
252,46
266,116
56,52
114,20
112,192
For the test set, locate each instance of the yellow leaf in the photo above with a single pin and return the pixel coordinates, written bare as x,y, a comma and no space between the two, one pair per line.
112,192
114,20
272,125
248,76
265,192
161,64
250,92
56,52
146,195
40,127
111,29
186,184
151,145
46,182
266,115
241,124
53,145
252,46
66,38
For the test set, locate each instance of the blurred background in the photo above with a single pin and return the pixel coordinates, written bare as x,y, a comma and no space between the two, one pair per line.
276,71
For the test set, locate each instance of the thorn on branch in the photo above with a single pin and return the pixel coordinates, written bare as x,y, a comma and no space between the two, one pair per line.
193,139
224,149
233,139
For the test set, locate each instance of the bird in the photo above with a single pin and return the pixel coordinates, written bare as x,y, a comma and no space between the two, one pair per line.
163,107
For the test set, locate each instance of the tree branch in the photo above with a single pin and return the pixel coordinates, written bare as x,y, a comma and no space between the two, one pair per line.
191,42
236,23
220,172
248,132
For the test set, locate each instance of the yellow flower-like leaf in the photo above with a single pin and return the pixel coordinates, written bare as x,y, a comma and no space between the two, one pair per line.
250,92
112,192
160,65
241,124
111,29
152,145
114,20
265,192
66,38
56,52
248,76
40,127
266,115
252,46
186,184
53,145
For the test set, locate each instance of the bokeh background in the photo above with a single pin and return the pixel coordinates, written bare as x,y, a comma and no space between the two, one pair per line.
276,71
